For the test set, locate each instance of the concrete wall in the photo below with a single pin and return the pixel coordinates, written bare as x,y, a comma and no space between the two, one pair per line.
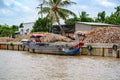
100,49
82,27
89,26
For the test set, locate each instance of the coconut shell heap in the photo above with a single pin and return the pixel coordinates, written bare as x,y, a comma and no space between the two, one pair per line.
5,39
103,35
47,37
26,36
50,37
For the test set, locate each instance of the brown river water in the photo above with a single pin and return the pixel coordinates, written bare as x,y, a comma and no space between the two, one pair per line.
19,65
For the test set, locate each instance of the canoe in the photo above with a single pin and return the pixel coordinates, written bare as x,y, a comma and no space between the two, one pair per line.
52,49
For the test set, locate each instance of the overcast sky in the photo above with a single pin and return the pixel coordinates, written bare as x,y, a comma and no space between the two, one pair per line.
23,11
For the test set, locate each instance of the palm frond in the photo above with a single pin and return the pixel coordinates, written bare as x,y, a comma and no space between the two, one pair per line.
44,10
57,2
66,3
62,14
51,16
68,12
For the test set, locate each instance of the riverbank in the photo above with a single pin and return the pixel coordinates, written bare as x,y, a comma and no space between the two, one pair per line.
89,49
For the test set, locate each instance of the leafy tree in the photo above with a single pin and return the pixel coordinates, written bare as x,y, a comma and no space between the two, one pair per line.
21,25
5,31
71,21
84,17
101,17
117,11
15,28
111,19
42,25
54,10
114,18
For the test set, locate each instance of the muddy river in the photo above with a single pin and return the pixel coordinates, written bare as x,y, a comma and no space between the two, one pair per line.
19,65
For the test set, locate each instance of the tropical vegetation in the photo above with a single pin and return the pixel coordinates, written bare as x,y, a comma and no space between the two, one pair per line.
114,18
42,25
54,10
8,31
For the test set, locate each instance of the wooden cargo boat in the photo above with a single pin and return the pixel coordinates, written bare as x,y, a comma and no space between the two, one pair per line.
50,48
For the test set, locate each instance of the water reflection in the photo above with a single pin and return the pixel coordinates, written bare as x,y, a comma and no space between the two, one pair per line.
19,65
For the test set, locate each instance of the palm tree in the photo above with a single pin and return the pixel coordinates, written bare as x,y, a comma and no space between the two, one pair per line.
117,11
54,10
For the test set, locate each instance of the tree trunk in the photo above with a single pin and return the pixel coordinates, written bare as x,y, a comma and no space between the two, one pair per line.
59,24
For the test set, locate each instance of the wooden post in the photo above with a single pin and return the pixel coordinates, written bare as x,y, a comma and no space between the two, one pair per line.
117,54
23,47
33,50
89,48
13,47
18,47
103,52
28,49
7,46
0,46
90,52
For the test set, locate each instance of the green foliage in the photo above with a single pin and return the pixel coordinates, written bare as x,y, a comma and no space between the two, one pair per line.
15,28
101,17
117,13
54,10
21,25
114,18
84,17
42,25
7,31
71,21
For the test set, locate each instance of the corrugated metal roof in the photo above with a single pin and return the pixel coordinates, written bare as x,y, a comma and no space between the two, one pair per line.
97,24
29,23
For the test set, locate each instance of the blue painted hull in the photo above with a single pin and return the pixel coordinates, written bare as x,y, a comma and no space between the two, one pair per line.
74,51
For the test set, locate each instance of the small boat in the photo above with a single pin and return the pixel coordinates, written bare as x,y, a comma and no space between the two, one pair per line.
50,48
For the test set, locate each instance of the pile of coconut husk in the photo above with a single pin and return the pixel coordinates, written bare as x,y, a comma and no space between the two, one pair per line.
103,35
47,37
50,37
5,39
20,38
26,36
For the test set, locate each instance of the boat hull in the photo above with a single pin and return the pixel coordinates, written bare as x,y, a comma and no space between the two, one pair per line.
52,49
